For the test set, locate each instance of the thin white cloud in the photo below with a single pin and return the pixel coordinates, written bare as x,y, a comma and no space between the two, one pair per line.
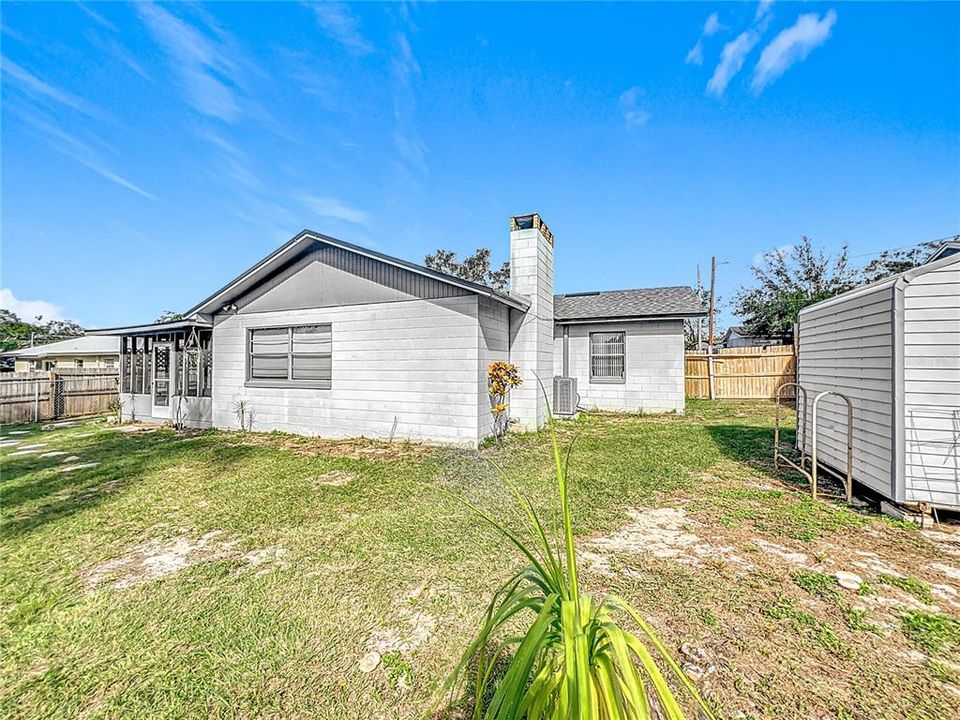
731,61
763,8
28,310
113,47
207,68
406,138
791,46
342,26
36,88
96,17
634,116
79,151
330,207
712,26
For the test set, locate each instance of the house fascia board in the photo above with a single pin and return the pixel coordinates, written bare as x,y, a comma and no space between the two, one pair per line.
625,318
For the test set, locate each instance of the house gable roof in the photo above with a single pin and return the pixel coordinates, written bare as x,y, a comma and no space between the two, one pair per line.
281,255
83,345
640,304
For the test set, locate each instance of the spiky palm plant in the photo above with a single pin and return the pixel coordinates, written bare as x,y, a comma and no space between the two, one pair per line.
573,660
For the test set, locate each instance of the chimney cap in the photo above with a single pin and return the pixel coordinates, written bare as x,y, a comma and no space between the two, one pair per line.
531,221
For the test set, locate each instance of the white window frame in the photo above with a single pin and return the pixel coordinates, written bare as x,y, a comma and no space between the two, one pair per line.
608,379
287,382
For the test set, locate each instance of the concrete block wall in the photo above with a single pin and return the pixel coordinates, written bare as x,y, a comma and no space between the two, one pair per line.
654,366
531,275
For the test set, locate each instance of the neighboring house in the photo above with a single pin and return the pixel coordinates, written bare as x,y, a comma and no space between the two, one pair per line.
893,348
330,339
87,351
737,336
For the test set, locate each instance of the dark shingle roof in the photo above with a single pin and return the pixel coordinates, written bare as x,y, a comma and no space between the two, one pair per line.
643,303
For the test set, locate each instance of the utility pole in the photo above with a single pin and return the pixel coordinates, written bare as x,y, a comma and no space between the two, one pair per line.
699,319
713,283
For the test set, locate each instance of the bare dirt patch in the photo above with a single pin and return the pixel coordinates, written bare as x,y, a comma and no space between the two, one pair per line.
359,449
335,478
755,606
159,559
661,533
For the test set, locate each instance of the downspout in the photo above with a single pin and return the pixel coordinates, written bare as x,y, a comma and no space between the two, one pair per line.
898,460
566,351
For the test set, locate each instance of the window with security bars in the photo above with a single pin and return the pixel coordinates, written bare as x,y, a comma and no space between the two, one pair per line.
607,357
298,355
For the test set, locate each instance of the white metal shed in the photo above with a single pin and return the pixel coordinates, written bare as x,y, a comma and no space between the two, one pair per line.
893,348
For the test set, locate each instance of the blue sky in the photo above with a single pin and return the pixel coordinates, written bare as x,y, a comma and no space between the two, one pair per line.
152,152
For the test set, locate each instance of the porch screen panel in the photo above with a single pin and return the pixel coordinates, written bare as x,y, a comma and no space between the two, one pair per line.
206,371
607,357
138,358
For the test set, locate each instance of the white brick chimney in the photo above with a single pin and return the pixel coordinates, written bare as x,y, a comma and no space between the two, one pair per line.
531,333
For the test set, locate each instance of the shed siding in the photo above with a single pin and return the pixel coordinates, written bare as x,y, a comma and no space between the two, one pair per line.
654,366
403,369
494,328
931,377
847,346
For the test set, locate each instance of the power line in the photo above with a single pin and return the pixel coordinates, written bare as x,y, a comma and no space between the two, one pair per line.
945,238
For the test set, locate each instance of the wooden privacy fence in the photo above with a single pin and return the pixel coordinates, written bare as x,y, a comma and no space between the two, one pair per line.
741,373
36,396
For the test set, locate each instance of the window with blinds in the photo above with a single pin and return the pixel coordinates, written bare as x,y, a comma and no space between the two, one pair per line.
298,355
607,357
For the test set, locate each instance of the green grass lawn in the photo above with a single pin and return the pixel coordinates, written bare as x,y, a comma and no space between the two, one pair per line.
230,575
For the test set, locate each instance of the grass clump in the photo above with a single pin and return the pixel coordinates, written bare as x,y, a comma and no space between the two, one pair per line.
547,651
910,585
931,632
821,585
805,623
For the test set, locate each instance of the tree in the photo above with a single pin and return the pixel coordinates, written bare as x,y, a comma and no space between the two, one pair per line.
168,316
475,268
16,333
891,262
789,280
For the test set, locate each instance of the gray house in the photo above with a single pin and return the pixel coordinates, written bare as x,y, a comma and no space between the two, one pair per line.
329,339
893,348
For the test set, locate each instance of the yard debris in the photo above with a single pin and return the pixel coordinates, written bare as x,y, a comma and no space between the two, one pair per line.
84,435
21,452
54,426
848,580
369,662
9,443
696,663
19,432
333,478
34,446
72,458
53,453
